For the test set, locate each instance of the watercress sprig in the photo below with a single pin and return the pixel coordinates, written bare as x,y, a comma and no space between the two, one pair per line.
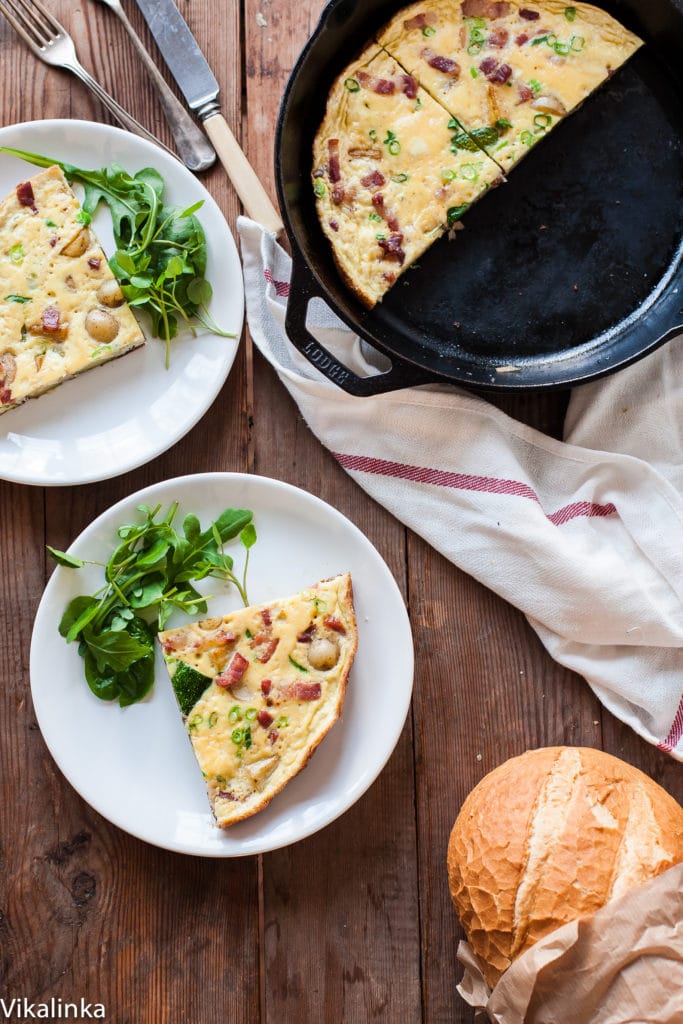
160,258
150,574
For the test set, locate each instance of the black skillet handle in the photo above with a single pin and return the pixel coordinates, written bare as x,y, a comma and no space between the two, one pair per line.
302,289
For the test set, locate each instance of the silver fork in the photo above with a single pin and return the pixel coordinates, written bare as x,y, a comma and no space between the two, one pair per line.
50,41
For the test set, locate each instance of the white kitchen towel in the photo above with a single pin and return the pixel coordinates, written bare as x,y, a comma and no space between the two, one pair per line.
584,535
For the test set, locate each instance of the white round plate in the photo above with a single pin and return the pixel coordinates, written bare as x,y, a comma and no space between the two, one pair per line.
118,416
135,765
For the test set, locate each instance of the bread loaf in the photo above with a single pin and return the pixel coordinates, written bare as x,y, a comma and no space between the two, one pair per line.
552,836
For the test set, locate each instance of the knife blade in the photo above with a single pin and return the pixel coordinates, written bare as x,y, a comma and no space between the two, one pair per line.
198,84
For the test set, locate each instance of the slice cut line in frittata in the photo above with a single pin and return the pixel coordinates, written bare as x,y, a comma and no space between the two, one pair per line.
61,308
260,688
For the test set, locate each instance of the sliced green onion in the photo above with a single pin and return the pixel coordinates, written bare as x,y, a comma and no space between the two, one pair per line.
320,191
399,178
249,635
418,103
502,123
447,174
282,722
237,736
577,43
381,238
250,714
297,665
234,714
392,143
477,36
428,31
50,224
562,48
352,84
474,73
551,39
373,134
453,125
543,121
469,172
537,42
527,138
16,253
535,86
195,721
374,216
474,48
213,718
455,213
570,13
17,298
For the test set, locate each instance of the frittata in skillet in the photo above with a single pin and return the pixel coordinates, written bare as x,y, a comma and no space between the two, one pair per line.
386,177
260,688
61,309
507,71
391,173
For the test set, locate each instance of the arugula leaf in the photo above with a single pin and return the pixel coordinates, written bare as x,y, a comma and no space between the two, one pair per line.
161,253
149,576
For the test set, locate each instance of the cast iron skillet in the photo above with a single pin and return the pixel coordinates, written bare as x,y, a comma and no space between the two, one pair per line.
568,271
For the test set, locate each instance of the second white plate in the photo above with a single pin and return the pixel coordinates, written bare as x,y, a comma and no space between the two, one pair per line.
118,416
136,766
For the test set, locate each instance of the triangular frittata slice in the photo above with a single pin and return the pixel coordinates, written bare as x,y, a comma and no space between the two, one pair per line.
61,309
386,178
508,72
260,688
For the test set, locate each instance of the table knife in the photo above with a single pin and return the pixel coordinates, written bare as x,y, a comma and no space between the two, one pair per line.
196,81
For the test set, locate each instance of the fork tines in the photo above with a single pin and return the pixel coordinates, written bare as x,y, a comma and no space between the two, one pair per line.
32,21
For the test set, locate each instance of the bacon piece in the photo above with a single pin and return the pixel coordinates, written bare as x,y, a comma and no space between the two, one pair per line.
225,636
525,94
301,691
264,719
268,650
521,39
25,195
409,86
266,687
378,203
5,396
333,623
382,86
306,635
94,263
266,617
499,38
273,735
440,63
50,319
389,276
495,72
233,672
529,15
485,9
374,178
420,20
333,160
8,369
391,247
338,195
334,225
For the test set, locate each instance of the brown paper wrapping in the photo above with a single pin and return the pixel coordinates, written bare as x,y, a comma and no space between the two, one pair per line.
622,966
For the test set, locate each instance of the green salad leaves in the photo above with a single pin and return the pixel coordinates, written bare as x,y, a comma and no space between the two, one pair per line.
160,258
148,576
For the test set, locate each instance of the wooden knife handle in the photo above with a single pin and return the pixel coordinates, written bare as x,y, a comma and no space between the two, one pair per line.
253,195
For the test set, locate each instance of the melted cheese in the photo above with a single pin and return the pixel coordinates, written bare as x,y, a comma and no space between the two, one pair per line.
52,273
252,737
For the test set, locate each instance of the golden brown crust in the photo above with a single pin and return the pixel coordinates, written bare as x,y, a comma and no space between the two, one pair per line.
551,836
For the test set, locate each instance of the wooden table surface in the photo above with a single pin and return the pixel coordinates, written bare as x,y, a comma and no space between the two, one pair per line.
353,924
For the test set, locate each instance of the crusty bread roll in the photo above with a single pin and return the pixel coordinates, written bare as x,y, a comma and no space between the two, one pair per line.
549,837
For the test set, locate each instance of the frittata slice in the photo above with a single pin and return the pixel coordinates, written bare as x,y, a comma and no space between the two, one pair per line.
507,71
61,308
260,688
387,179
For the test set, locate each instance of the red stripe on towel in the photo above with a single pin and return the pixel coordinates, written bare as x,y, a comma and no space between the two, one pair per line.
468,482
281,287
675,732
